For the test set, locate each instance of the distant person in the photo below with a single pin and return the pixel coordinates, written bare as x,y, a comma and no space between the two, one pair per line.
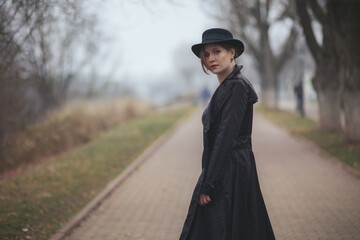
299,96
205,95
227,202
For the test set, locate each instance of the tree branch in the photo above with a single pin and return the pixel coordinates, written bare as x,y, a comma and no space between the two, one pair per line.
267,6
257,12
288,49
317,10
241,11
305,21
288,11
250,44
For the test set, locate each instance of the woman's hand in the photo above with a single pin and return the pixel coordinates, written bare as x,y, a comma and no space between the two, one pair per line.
204,199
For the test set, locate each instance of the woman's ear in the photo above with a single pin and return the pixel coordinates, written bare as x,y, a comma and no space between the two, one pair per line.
233,51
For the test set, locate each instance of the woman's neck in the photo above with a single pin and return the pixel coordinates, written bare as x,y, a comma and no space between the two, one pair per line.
222,76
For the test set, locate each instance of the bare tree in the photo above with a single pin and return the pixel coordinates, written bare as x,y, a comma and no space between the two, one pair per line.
54,49
337,61
252,21
348,26
40,41
18,20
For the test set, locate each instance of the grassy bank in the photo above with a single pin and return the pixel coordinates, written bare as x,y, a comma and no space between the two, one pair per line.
332,142
35,204
62,129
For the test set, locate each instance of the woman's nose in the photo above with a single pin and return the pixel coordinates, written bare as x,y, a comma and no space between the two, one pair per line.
211,57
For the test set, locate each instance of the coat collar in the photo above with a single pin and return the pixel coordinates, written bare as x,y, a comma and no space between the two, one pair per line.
234,73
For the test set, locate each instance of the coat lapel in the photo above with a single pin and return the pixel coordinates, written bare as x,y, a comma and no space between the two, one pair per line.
216,103
218,99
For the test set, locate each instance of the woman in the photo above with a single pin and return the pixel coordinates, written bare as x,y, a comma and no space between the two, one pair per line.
227,203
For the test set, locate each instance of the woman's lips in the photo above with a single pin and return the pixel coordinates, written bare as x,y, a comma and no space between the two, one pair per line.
213,66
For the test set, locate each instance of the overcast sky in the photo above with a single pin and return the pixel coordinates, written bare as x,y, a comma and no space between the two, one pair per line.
144,36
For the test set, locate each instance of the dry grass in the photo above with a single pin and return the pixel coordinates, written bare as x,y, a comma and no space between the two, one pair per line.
65,128
35,204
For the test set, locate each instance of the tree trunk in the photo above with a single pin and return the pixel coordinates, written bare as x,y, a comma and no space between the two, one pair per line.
351,102
350,78
269,93
329,110
268,71
327,87
326,80
347,40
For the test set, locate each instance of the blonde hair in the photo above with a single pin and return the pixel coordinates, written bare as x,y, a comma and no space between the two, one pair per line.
202,59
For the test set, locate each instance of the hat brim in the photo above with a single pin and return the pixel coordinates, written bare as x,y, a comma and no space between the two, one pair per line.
237,44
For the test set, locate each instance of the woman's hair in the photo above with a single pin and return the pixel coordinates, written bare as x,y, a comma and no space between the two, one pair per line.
224,45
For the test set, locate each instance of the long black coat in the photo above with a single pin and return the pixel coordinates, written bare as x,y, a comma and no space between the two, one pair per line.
237,210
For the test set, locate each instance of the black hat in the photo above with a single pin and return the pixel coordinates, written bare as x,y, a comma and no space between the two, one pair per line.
218,35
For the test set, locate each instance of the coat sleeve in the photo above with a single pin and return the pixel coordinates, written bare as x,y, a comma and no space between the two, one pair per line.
231,117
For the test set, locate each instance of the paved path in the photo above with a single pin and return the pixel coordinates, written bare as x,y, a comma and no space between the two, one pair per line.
307,196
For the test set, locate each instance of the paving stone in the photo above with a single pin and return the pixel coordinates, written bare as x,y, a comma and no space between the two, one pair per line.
307,196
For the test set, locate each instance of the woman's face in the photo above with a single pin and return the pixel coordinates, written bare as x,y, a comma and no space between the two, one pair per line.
217,58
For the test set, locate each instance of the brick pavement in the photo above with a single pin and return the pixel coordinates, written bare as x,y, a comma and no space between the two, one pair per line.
307,196
152,202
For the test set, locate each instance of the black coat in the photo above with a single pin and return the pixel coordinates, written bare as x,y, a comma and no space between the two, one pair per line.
237,210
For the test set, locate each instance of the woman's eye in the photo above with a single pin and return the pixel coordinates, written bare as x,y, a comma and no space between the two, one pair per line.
206,55
217,51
